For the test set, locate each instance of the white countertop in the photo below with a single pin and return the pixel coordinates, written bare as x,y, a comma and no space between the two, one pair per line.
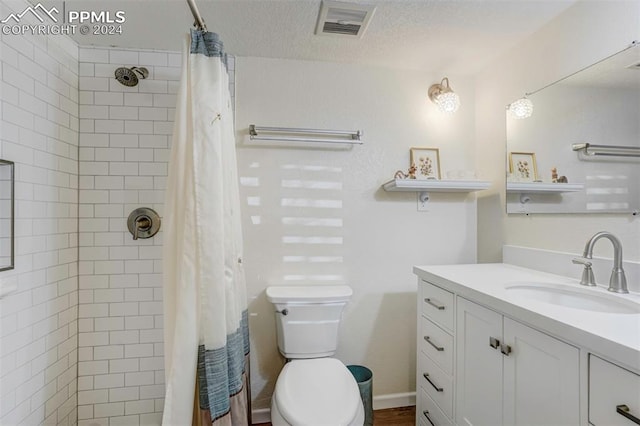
614,336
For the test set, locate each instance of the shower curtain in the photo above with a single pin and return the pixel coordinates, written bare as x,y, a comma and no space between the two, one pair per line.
205,318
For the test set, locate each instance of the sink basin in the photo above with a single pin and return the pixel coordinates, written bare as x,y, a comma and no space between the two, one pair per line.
586,299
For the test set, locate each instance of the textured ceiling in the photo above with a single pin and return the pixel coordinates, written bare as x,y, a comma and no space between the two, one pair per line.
454,36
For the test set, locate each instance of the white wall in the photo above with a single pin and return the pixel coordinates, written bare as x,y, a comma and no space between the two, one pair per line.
318,216
39,132
583,34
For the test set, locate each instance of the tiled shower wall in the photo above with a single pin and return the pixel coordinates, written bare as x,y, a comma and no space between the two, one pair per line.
39,132
125,135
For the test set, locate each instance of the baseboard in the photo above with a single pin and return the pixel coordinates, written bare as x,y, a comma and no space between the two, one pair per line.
380,402
393,400
262,415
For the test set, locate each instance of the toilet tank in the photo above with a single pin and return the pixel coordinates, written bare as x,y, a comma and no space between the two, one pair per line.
308,318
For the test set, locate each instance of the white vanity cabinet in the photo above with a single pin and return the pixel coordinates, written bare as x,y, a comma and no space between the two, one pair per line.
508,373
479,367
496,357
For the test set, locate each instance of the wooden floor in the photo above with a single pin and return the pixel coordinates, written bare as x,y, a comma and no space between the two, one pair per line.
403,416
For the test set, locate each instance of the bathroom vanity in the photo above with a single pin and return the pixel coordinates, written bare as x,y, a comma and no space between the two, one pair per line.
502,345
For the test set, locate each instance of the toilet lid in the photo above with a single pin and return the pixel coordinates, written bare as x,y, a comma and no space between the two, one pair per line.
317,392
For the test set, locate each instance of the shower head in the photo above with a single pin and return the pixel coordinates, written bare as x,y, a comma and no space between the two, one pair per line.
130,76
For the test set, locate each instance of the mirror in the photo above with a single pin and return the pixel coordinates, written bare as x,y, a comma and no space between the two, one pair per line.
6,215
598,106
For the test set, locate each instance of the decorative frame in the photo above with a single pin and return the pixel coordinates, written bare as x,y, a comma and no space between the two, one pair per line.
426,162
523,166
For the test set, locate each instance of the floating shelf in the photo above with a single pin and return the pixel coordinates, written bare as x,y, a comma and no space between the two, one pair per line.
433,185
424,187
543,188
525,189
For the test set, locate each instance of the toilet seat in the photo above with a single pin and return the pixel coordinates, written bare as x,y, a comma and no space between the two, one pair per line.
319,391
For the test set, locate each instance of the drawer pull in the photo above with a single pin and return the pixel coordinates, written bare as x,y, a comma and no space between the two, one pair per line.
438,307
505,349
426,414
623,410
494,343
426,376
438,348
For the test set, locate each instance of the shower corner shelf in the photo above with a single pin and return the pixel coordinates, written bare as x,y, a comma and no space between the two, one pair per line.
424,187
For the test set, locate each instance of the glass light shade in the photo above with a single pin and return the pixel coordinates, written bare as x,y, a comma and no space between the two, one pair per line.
522,108
448,102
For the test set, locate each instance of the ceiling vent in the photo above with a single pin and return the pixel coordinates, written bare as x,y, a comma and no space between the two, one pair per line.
344,19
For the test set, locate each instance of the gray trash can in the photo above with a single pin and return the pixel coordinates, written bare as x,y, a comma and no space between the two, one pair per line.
364,377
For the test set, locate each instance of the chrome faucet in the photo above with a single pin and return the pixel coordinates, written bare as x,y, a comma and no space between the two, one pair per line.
618,281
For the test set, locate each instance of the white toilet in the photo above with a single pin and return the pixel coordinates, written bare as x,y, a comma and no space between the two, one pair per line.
312,388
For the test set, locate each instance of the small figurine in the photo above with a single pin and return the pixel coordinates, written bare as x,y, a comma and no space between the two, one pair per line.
554,175
411,173
563,179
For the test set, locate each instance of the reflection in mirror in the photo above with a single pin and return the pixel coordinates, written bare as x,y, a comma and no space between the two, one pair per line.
6,215
600,106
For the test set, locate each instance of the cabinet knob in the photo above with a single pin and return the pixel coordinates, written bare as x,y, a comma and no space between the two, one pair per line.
494,343
505,349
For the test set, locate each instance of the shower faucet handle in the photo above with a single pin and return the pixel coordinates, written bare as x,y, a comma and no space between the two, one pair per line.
143,222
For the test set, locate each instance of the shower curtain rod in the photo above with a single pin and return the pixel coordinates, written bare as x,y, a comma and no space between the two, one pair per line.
199,22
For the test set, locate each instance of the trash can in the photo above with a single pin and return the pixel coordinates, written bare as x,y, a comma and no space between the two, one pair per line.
364,377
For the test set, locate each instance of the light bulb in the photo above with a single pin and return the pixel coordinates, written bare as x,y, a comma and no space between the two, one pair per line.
522,108
448,102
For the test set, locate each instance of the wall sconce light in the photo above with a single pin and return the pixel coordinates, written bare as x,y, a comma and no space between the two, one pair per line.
522,108
442,95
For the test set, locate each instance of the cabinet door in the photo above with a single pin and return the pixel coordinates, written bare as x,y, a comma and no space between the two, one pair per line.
541,378
478,366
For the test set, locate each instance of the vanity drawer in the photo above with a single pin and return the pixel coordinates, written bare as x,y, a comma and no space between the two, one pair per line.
609,387
437,344
430,414
437,384
437,304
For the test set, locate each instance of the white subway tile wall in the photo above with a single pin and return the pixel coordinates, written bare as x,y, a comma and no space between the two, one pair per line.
39,127
117,360
125,137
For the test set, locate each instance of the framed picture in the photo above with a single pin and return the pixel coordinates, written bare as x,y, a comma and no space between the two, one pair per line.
426,162
523,167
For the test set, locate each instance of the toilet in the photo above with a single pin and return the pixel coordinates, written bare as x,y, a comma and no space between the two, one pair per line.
312,389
